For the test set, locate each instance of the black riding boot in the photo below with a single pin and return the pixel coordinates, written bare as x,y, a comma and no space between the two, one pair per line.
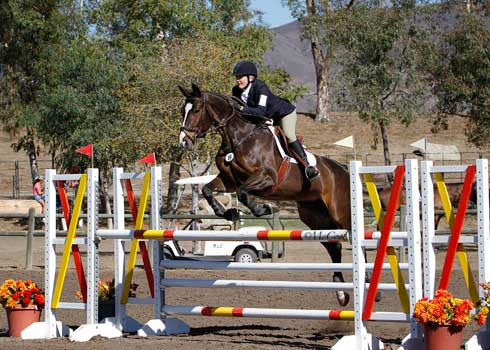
310,171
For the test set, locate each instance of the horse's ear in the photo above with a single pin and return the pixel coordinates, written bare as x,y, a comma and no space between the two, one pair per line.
195,90
185,92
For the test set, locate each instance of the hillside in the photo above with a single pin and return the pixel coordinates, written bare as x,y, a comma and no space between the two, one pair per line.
292,53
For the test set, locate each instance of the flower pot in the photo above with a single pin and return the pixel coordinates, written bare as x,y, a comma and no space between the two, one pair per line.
443,337
106,309
19,318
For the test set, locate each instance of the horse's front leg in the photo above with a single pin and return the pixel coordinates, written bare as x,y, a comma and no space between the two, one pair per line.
217,185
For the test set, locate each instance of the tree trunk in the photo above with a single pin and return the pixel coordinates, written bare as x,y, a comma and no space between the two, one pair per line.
321,69
30,148
104,179
386,149
322,97
172,194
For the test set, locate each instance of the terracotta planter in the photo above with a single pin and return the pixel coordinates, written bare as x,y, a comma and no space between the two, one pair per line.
106,309
20,318
442,337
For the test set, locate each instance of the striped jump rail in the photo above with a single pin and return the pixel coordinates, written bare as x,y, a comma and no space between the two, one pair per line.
224,311
253,235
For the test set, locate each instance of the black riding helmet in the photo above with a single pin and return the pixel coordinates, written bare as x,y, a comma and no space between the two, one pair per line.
245,68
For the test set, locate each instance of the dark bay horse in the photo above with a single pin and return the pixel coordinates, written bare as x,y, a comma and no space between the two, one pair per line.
248,163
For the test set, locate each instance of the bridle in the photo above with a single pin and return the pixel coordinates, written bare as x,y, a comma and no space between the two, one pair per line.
217,125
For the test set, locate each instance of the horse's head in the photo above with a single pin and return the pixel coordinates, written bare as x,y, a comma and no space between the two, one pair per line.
197,120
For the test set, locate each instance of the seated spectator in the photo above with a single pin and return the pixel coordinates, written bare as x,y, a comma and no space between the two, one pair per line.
38,191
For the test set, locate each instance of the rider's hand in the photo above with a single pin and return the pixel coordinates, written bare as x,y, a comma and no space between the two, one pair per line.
236,105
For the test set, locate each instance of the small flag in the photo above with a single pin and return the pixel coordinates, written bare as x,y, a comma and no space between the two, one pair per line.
87,150
150,158
347,142
420,144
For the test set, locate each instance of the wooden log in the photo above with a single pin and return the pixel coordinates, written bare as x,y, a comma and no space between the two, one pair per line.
19,206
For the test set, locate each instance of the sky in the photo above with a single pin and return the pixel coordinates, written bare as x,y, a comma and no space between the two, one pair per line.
275,14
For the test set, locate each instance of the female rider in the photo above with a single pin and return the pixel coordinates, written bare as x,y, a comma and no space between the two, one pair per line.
259,100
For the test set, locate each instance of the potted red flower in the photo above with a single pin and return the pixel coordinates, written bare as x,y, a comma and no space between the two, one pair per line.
444,318
23,301
484,304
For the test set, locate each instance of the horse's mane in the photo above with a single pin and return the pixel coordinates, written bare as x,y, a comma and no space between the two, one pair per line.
217,94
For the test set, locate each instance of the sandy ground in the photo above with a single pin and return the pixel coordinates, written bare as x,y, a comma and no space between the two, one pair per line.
212,333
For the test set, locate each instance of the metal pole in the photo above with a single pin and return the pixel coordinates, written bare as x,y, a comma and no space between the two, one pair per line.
17,180
276,225
30,234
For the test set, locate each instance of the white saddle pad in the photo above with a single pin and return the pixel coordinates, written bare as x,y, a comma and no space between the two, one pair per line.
311,156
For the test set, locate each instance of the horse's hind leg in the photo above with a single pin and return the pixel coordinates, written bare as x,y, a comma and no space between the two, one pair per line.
315,215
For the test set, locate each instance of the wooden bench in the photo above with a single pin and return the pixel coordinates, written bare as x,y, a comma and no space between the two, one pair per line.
19,206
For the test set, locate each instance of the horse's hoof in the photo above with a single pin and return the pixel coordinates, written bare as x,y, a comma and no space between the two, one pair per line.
379,296
268,209
342,297
231,214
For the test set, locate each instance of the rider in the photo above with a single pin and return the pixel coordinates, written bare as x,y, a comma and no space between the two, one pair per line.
259,100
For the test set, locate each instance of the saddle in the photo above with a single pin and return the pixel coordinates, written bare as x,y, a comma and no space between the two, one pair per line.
282,146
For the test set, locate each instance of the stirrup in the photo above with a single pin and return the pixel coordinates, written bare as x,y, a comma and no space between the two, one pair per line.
311,172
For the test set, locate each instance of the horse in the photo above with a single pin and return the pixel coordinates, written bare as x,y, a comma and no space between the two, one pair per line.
453,189
248,162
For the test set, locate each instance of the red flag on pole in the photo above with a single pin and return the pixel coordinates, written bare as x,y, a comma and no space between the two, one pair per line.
87,150
150,158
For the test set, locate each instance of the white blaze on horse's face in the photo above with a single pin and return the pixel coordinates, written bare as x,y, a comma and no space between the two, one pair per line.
182,135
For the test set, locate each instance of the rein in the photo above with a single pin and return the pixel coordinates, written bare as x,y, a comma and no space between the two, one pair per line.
223,123
220,124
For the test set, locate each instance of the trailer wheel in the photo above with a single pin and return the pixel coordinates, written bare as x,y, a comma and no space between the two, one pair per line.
246,255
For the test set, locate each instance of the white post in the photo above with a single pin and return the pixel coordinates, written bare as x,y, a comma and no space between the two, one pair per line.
156,224
428,229
92,246
359,268
483,221
50,252
119,246
481,340
415,339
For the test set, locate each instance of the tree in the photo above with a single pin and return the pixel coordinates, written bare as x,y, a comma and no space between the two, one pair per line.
27,27
314,17
378,51
459,70
165,44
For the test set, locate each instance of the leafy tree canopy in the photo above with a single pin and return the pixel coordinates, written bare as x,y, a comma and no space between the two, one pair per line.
460,69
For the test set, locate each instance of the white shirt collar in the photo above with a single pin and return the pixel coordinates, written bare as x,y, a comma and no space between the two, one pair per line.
245,93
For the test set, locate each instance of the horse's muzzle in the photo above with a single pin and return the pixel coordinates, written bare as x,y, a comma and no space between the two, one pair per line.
185,142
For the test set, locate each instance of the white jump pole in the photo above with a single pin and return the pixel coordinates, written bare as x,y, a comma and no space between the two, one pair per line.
481,340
